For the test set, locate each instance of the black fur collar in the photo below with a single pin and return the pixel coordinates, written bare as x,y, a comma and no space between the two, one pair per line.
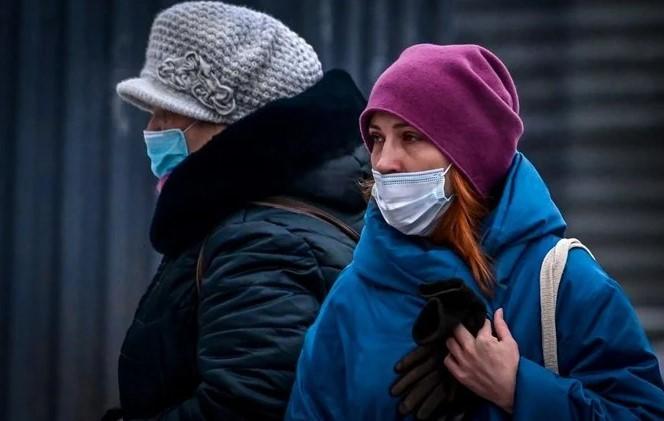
258,156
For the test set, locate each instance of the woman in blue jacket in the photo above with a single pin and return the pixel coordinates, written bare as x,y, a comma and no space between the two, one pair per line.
454,204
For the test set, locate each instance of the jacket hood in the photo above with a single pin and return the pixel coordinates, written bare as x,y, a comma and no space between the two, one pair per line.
525,213
268,153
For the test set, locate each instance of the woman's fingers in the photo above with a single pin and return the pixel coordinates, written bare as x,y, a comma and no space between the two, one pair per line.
463,336
502,330
455,349
453,366
485,330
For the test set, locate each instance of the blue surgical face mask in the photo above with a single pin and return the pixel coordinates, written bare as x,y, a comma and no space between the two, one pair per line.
413,203
166,149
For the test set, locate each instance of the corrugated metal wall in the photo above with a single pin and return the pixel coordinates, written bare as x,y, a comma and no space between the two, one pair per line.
592,90
76,193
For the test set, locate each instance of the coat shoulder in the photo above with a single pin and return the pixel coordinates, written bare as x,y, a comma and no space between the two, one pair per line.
585,281
591,305
261,242
327,242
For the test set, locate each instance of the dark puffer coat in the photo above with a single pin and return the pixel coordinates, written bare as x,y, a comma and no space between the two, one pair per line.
231,352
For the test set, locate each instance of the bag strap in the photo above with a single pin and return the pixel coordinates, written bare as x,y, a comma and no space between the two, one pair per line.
291,205
200,270
551,272
297,206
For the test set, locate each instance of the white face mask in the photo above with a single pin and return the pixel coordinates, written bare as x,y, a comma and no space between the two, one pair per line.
412,202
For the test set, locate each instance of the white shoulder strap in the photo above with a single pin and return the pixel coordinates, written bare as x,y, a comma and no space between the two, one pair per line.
553,266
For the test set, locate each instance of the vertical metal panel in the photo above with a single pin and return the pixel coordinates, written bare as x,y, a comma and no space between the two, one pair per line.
83,205
9,23
35,289
129,260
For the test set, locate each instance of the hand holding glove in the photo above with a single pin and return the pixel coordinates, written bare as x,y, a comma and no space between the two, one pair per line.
425,386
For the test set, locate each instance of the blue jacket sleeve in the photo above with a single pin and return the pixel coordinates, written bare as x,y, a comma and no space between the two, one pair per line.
608,370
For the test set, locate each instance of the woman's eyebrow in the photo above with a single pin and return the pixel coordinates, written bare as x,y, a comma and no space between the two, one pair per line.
395,126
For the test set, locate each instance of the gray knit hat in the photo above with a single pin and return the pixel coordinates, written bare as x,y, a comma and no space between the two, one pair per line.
217,62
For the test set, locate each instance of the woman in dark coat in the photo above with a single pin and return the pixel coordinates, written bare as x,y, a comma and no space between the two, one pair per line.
272,125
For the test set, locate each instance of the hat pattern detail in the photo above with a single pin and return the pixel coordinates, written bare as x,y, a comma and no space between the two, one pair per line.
193,75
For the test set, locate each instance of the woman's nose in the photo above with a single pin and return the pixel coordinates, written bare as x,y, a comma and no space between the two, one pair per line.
388,159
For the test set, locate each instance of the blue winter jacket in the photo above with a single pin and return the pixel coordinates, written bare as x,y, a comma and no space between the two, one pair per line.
607,367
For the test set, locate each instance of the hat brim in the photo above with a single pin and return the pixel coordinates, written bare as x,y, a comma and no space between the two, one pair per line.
148,94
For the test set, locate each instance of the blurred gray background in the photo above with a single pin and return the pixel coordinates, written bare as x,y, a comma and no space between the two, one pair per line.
76,192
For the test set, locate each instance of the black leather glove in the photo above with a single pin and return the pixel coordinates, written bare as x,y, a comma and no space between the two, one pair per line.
425,386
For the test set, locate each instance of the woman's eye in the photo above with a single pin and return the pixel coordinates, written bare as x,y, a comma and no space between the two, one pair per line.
374,138
411,137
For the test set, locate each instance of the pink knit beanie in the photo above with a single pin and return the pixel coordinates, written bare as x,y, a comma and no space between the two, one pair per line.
462,98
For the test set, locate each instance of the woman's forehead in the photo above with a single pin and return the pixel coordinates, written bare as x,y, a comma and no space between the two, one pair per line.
385,119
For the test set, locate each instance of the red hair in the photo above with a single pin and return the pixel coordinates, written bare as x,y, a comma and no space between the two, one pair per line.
459,229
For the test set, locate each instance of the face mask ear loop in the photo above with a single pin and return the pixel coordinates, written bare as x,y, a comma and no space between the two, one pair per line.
190,126
184,132
445,182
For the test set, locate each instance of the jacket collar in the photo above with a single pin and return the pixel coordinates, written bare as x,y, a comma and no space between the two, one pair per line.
389,259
